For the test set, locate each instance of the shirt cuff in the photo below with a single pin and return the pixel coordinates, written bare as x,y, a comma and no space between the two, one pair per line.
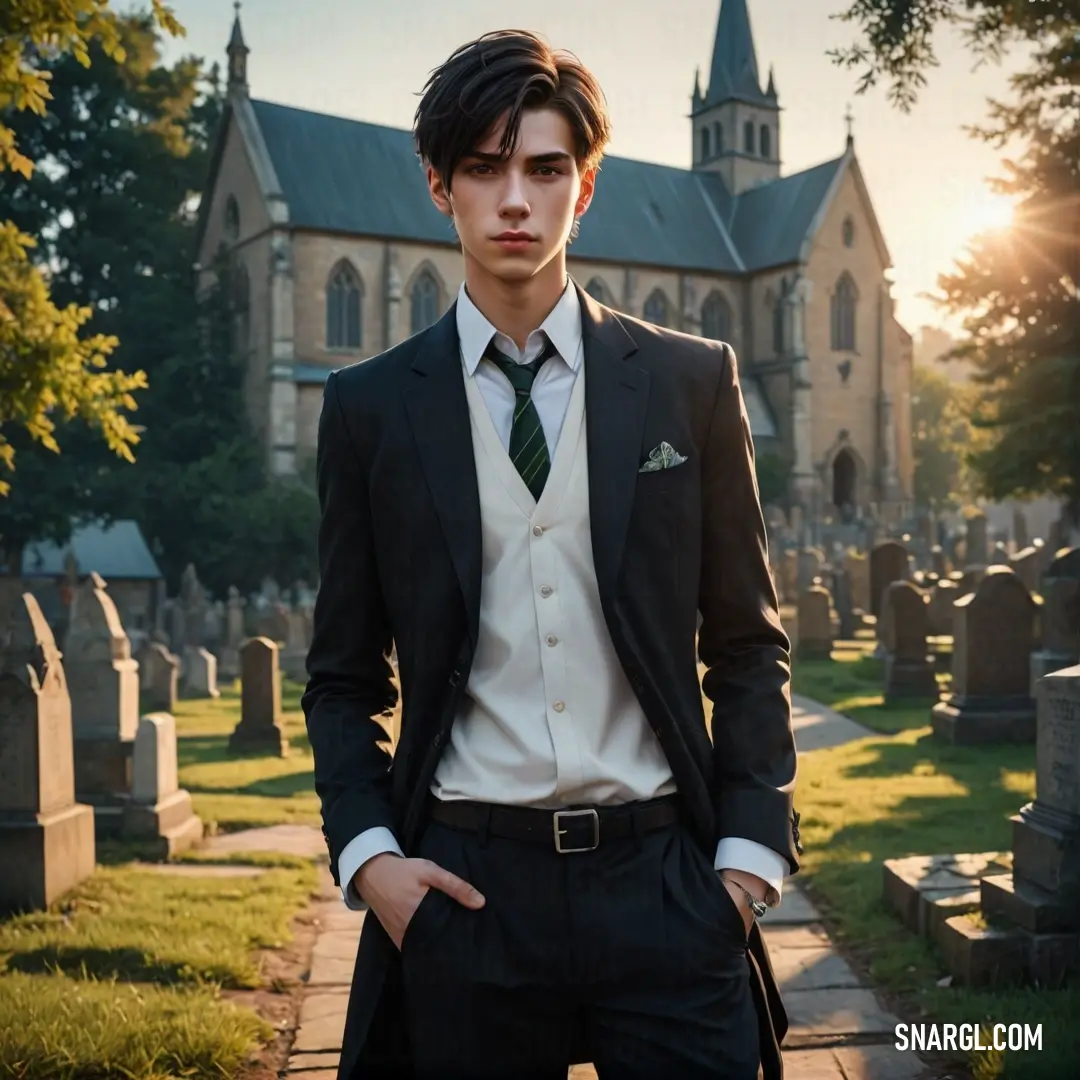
738,853
359,850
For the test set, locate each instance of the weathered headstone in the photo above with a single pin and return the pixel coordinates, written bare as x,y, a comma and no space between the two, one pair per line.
1025,564
938,561
1019,529
977,547
810,561
993,629
194,601
229,658
162,677
909,670
46,838
259,729
940,614
788,567
858,566
842,601
200,675
888,563
103,681
294,658
159,816
1000,554
815,630
1059,616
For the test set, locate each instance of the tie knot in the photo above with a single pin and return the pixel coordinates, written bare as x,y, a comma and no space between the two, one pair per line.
521,376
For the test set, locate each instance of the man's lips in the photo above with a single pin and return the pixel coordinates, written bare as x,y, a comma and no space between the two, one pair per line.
514,236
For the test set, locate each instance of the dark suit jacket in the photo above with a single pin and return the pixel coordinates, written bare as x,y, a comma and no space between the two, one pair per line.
400,563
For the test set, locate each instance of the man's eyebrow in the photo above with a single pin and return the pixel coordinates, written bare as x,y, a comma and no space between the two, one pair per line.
552,157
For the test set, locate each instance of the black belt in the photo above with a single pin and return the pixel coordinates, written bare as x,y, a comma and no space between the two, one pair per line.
571,830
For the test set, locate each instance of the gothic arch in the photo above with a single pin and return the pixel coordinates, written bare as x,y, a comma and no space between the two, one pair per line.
718,138
344,307
657,309
748,136
845,477
765,142
716,318
706,150
843,305
426,291
232,219
777,306
847,231
598,290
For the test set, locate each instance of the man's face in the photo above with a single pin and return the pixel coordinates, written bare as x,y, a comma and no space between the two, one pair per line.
513,217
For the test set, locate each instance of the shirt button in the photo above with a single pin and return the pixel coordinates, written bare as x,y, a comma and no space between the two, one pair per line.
552,639
558,706
538,530
545,590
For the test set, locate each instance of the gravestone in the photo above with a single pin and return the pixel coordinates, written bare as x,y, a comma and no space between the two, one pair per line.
1019,529
977,547
809,563
159,817
940,612
46,838
858,566
200,674
294,658
229,658
162,677
909,670
103,681
1026,565
1059,616
888,563
993,631
815,629
259,730
999,556
938,561
842,601
194,602
788,573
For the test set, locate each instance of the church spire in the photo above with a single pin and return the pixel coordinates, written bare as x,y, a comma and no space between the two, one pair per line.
734,71
770,90
238,54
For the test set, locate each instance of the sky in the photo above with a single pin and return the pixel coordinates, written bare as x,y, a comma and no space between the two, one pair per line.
368,59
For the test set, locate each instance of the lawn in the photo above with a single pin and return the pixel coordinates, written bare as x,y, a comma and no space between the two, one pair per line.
904,794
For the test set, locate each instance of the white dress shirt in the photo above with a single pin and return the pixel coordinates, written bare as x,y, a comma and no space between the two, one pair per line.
567,762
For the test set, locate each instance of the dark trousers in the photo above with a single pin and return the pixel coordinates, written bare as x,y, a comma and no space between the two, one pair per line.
631,956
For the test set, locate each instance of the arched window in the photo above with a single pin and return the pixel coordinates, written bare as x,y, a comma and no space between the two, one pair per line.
232,218
716,317
344,294
778,319
600,292
845,471
718,138
657,308
704,144
848,231
240,303
765,141
842,314
423,301
748,136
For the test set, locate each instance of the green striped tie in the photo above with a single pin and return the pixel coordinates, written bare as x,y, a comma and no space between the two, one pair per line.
528,446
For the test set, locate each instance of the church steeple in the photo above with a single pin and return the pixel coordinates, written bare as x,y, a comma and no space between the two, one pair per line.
735,124
238,54
734,70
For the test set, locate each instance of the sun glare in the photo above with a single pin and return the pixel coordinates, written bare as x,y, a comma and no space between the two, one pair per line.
988,212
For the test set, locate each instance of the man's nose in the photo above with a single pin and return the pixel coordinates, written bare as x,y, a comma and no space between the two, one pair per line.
514,200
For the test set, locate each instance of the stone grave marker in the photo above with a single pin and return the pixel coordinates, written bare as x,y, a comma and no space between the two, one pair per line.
200,676
815,629
938,562
842,601
977,547
162,677
46,837
909,669
888,563
1059,616
1020,531
1026,565
858,566
159,816
990,702
259,730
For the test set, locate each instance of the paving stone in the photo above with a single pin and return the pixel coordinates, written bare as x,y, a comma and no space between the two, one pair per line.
338,917
812,1065
811,969
333,958
836,1012
300,1062
794,909
817,727
322,1021
199,870
303,840
882,1062
810,936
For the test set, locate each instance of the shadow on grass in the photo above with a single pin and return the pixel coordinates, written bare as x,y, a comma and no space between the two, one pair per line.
127,964
214,749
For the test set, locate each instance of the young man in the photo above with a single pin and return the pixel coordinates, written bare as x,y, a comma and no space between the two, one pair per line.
533,499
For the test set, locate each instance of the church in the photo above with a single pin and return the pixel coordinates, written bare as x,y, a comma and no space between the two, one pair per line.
337,253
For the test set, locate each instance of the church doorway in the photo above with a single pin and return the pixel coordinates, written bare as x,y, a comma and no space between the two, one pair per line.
844,471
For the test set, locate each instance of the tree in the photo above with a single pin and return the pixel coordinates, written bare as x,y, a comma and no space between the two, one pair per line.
1018,290
48,372
942,439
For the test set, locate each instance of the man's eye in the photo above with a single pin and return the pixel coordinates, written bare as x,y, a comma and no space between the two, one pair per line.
550,170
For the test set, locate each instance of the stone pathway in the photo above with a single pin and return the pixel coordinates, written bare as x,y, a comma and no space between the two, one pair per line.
838,1028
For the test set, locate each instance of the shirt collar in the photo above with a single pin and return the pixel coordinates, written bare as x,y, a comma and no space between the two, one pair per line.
562,327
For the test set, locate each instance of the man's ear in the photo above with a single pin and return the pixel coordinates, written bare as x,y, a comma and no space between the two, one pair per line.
588,185
439,195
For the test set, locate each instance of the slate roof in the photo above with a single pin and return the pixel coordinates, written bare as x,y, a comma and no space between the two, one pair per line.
117,552
734,70
349,176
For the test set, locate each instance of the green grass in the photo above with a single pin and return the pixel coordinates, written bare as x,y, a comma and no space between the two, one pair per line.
887,797
61,1028
232,792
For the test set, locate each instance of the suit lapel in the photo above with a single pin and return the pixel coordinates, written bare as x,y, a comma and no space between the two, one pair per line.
616,400
439,412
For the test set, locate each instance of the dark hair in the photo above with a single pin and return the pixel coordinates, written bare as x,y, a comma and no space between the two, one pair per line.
506,71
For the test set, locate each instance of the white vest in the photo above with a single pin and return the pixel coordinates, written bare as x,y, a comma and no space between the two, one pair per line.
548,717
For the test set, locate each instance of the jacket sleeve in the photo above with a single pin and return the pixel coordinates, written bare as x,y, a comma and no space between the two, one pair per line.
741,643
350,678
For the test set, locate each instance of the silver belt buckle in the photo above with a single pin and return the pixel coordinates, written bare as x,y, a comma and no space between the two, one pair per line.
559,832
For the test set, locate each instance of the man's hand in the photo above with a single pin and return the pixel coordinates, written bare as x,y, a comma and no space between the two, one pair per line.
393,888
753,884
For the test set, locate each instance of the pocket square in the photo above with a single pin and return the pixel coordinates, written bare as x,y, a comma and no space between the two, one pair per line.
664,456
